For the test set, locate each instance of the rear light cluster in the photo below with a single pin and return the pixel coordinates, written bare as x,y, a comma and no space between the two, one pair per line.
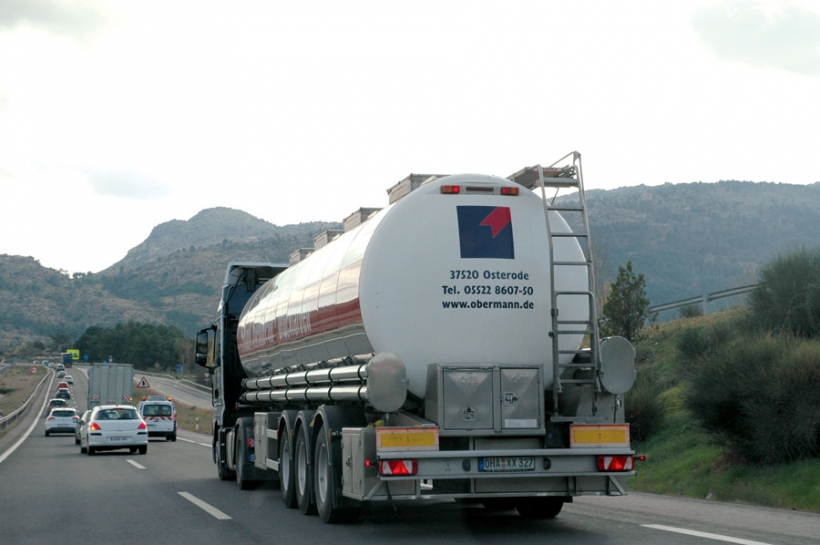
618,463
142,426
398,467
94,427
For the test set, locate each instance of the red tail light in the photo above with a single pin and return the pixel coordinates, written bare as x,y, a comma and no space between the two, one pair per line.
94,427
616,463
513,191
398,467
451,189
50,418
142,426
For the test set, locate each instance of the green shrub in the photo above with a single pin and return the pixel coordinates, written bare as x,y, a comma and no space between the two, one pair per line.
788,297
762,395
782,407
691,311
644,407
696,342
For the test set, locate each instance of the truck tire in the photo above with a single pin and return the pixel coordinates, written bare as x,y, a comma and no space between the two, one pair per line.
327,480
287,481
539,508
222,472
242,481
303,475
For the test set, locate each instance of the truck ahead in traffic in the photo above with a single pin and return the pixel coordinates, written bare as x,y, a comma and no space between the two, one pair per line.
110,383
443,347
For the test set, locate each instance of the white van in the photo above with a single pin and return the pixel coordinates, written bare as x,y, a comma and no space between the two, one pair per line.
161,417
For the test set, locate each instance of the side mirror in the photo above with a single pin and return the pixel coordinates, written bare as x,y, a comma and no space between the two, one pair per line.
204,348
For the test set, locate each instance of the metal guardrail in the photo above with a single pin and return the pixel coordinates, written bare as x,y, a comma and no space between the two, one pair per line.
7,420
703,299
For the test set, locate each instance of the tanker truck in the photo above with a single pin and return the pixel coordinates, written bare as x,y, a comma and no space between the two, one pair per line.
444,347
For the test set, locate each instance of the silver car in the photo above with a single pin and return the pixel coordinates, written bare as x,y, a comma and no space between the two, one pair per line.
112,427
61,420
79,426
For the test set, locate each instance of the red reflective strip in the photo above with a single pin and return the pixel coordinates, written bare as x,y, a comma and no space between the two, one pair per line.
615,463
398,467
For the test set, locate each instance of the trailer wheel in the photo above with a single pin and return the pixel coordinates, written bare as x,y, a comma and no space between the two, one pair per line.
539,508
303,477
327,480
287,483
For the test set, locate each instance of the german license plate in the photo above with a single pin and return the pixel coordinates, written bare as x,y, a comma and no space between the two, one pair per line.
507,463
112,439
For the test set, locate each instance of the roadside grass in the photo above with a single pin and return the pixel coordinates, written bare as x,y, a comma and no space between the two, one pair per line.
188,417
685,460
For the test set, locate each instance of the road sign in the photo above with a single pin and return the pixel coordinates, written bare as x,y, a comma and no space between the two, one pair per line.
143,383
33,370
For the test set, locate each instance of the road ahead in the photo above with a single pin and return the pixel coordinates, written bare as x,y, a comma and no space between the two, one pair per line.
181,391
50,493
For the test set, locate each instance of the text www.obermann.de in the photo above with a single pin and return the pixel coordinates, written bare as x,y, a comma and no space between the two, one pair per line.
479,304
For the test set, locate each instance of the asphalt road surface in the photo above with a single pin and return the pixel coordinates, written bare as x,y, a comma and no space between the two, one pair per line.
50,493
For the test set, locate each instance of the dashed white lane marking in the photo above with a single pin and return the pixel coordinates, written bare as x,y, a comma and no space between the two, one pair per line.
194,442
135,464
706,535
208,508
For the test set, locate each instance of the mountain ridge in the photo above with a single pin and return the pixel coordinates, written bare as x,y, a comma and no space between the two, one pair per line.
687,239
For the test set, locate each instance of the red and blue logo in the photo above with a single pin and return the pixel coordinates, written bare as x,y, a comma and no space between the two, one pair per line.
485,232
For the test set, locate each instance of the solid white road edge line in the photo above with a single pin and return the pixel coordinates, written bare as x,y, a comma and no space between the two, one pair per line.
37,420
706,535
135,464
210,509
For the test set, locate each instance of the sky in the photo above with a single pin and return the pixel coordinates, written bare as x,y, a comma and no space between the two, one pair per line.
117,116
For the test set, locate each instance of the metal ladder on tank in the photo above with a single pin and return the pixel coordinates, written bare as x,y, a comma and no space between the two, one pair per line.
558,178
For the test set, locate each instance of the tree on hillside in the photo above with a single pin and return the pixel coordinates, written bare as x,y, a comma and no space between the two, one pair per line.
625,308
145,346
60,341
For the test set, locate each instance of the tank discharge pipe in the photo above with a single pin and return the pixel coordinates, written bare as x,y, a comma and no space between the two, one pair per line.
381,381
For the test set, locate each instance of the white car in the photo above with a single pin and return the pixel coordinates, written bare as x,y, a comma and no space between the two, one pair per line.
112,427
161,417
61,420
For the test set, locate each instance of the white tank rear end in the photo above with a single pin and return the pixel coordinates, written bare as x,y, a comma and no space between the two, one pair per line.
434,278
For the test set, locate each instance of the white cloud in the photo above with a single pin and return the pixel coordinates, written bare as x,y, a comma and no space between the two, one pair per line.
766,34
129,113
127,185
77,18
